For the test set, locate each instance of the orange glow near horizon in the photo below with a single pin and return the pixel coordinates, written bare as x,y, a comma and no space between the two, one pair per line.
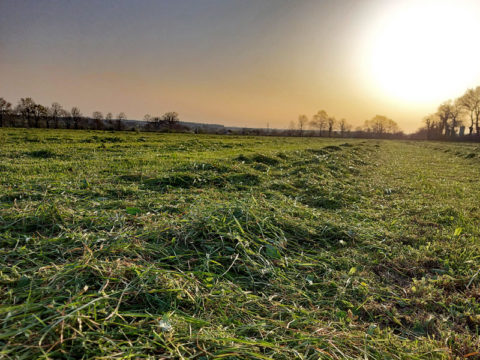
242,62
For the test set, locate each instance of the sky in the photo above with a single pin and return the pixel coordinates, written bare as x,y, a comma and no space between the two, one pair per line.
241,62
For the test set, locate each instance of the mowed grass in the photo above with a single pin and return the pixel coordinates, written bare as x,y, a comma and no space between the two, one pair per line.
139,245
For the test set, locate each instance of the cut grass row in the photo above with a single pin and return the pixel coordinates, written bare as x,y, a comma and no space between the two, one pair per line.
118,245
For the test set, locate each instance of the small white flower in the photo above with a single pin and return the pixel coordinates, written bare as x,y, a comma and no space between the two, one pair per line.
165,325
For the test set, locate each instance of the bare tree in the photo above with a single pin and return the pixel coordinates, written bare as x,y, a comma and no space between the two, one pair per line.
376,125
380,125
39,112
392,127
455,117
5,108
470,102
120,119
157,122
449,114
331,123
319,121
66,118
432,125
26,109
477,112
76,116
302,123
97,117
170,119
55,111
344,126
147,118
444,113
109,120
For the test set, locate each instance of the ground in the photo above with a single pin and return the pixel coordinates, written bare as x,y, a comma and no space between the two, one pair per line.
143,245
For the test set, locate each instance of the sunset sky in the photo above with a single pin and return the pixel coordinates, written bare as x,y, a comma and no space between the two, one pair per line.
241,62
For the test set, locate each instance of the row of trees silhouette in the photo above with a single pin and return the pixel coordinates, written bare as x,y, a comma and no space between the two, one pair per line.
453,118
327,125
27,113
31,114
169,120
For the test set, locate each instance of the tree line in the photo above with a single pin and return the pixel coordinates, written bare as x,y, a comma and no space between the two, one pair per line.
323,124
455,118
28,113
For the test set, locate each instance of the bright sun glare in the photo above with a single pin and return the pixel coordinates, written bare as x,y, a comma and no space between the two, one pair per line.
424,51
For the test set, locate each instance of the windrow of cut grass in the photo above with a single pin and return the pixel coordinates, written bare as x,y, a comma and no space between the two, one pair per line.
127,245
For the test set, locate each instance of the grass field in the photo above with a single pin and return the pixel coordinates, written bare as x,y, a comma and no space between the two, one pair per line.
140,245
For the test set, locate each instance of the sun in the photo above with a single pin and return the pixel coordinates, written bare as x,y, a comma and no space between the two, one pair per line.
423,51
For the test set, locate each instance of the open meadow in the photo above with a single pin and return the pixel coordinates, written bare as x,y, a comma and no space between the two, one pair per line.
147,245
